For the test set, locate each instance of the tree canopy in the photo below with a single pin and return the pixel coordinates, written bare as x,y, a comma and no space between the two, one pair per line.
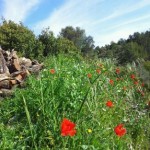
18,37
78,36
125,51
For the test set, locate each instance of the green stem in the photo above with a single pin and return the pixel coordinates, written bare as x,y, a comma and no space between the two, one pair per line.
85,97
29,121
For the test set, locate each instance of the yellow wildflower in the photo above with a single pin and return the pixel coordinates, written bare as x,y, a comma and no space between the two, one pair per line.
89,130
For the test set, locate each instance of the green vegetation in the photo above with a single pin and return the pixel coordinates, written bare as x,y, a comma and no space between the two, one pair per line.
78,36
16,36
77,89
19,37
125,51
97,90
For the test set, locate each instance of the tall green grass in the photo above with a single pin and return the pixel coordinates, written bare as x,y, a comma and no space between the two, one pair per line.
32,118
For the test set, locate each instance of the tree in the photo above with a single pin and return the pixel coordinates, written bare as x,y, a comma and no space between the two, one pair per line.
125,54
18,37
49,41
76,35
126,51
88,46
65,46
84,43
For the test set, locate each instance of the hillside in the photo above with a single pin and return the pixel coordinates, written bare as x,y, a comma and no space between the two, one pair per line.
86,97
125,51
135,49
78,104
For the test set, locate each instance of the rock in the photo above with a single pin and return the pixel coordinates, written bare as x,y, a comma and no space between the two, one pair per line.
3,66
19,78
4,76
16,65
5,84
6,92
6,55
14,70
13,82
35,62
13,54
35,68
20,75
25,62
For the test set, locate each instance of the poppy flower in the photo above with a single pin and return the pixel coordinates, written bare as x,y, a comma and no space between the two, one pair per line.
132,76
67,128
136,82
109,104
52,71
117,70
89,75
120,130
98,71
111,81
142,84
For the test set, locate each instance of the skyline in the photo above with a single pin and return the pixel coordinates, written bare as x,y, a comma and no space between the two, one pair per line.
104,20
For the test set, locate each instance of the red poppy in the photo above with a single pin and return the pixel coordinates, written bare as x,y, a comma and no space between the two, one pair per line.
109,104
119,130
98,71
136,82
117,70
132,76
67,128
52,71
89,75
142,84
111,81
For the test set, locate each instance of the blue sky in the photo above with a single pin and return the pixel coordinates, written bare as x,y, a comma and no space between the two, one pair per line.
104,20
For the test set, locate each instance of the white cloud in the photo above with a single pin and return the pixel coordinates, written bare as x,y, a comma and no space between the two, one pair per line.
122,32
128,22
96,18
73,12
122,10
18,10
114,36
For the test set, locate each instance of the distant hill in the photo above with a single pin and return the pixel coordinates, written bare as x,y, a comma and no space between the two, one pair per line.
125,51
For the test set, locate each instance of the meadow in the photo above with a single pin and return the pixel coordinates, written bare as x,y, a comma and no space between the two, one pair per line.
78,104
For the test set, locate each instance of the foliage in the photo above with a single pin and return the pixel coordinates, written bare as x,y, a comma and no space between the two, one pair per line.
49,41
84,43
54,46
65,46
76,35
147,65
125,51
18,37
34,117
135,48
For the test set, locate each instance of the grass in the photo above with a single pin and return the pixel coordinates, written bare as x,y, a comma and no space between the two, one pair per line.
32,118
